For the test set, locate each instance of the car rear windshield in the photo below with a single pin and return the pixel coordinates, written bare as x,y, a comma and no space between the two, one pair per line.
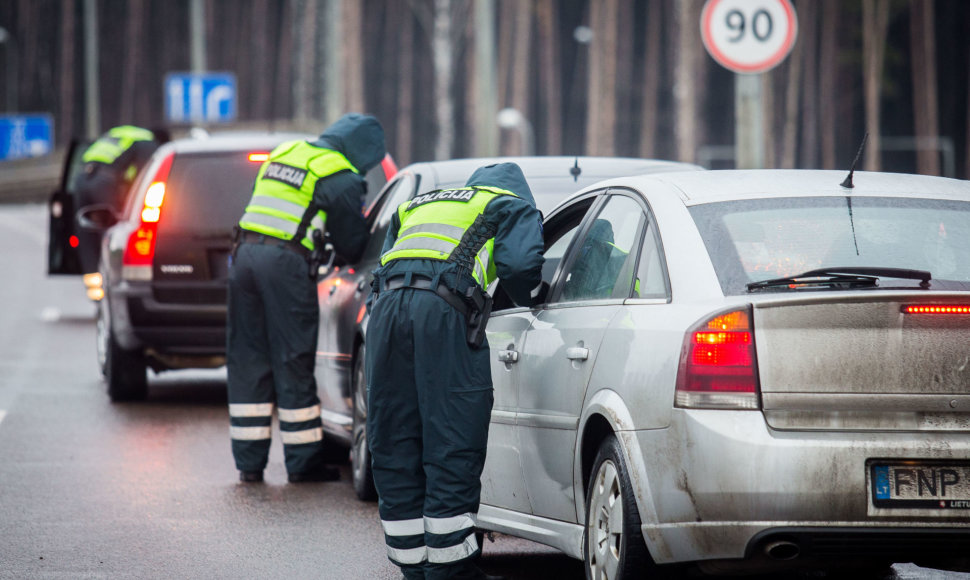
207,193
762,239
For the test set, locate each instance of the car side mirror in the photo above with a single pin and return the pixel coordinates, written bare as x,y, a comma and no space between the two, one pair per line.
97,217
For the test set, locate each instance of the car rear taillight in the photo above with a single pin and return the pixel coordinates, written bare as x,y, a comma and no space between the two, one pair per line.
718,367
258,157
136,263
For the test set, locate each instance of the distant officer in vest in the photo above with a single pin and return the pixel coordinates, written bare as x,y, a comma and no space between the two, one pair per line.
304,189
110,165
427,362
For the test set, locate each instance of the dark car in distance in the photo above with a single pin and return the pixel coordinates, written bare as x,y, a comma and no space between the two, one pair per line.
343,292
165,263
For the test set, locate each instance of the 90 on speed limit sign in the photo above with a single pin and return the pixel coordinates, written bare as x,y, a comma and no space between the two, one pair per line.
749,36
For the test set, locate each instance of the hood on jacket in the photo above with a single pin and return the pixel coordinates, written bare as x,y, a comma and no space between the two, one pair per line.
359,137
504,176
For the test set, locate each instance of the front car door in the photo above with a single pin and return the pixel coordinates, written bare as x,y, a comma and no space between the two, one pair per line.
598,273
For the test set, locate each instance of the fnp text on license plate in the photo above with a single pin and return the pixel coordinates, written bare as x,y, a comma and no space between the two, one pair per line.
920,484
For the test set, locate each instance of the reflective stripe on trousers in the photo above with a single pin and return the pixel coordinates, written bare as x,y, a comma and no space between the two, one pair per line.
410,531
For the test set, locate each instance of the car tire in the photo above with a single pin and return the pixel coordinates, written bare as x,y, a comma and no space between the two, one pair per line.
613,546
125,371
360,466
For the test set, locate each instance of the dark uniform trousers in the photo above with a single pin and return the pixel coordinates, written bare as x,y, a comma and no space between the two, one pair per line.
272,330
429,403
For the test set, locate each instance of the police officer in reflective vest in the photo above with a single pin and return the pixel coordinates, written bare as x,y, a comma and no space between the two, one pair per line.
303,189
110,164
427,363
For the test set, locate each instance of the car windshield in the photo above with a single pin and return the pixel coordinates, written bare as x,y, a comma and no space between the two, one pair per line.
755,240
208,193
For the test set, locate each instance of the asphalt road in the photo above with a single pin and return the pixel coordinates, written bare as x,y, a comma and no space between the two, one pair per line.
91,489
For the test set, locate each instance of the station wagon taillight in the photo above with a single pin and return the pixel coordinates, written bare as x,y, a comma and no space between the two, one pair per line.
136,263
718,367
258,157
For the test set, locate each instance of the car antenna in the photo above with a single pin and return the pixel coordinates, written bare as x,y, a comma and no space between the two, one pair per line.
848,180
847,184
575,170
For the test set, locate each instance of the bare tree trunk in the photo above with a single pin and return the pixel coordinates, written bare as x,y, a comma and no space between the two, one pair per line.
685,88
875,21
651,80
808,25
405,102
304,69
828,75
441,50
283,68
132,56
601,87
65,127
925,107
549,74
520,76
353,56
626,141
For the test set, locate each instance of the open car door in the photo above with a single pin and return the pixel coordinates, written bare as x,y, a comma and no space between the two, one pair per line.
62,252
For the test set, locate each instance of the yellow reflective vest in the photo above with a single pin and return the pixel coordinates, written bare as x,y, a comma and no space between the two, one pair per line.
112,144
448,225
283,194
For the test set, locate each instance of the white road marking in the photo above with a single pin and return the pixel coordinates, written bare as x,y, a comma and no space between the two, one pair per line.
2,415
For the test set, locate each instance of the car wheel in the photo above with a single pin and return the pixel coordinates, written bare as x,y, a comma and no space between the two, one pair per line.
125,371
359,455
613,547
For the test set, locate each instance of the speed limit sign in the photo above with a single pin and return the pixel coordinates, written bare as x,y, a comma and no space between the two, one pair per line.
749,36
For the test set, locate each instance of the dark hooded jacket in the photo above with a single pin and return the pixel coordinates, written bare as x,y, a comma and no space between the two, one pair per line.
518,236
360,138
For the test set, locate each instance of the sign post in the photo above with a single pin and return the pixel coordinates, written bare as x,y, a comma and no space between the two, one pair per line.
749,37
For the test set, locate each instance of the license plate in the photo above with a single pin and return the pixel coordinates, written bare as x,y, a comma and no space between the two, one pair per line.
920,484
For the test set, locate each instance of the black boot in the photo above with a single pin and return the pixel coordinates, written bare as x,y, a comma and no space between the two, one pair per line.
251,476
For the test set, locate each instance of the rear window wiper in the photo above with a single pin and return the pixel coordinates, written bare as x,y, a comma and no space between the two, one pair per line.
842,278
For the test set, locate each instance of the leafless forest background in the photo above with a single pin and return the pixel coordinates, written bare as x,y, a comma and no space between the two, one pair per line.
643,86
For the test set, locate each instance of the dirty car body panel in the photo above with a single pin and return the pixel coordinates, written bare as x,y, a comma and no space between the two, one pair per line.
830,425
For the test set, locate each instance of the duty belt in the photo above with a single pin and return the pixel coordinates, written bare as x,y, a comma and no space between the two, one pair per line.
251,237
424,283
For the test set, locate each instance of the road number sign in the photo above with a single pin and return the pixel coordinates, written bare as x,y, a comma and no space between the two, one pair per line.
749,36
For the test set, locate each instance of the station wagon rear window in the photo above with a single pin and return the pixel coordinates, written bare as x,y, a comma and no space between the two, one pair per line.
754,240
208,193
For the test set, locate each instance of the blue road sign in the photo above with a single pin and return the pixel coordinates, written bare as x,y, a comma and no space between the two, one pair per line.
200,98
26,135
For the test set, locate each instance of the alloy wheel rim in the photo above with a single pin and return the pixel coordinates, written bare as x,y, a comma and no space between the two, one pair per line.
604,532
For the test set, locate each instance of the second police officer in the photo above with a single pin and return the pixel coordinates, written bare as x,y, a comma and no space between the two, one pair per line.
303,189
110,165
427,363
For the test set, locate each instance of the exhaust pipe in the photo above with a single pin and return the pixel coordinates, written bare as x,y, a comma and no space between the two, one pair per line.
782,550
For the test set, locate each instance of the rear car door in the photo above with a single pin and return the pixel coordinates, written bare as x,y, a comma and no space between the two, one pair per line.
561,346
62,242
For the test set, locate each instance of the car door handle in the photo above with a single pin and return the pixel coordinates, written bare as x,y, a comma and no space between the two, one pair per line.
577,353
508,356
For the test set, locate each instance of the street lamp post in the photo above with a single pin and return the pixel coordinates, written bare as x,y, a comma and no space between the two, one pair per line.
10,48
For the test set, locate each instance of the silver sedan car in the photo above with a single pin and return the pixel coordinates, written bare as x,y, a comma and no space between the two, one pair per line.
744,371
